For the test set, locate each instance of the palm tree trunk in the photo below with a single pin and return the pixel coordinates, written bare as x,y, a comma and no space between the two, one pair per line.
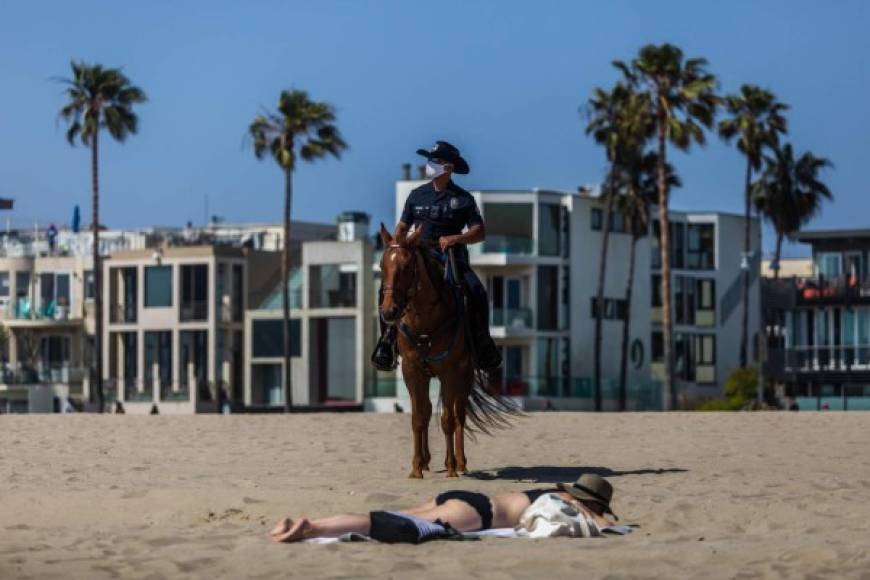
98,273
665,249
599,297
744,326
626,325
778,255
285,288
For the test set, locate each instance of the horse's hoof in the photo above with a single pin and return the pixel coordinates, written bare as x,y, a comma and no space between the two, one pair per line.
415,475
452,474
426,468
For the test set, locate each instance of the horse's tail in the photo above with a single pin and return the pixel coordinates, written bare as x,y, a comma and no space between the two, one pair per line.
487,410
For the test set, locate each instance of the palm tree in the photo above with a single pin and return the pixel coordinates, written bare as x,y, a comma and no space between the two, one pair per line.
99,98
755,118
299,128
682,100
789,193
640,186
617,121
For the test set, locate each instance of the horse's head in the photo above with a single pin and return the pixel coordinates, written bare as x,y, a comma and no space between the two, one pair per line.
399,270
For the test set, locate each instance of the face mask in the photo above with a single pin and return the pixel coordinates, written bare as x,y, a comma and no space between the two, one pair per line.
434,170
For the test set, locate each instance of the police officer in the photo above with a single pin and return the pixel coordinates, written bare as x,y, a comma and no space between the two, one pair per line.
443,210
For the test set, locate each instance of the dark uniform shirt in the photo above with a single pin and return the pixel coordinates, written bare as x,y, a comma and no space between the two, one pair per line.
441,213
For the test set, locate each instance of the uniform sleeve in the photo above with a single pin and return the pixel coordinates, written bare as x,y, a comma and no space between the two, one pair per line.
474,217
408,212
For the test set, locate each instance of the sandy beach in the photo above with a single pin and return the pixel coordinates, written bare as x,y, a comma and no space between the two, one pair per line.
715,495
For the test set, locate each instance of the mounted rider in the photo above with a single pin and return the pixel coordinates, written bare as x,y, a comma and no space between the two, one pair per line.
443,210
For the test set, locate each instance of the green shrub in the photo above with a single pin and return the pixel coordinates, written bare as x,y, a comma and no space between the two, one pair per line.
739,391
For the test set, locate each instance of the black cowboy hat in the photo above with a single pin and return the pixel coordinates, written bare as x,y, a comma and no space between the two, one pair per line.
446,152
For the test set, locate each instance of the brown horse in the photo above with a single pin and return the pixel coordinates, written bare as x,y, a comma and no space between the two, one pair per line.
434,341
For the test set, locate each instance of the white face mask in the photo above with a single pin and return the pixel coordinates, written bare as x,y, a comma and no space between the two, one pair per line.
434,170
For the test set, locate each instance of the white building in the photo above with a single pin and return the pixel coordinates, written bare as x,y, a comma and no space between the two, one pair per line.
540,264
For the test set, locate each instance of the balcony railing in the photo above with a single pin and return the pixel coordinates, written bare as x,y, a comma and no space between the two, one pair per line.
822,358
122,313
195,310
501,244
512,317
820,289
337,298
41,374
24,309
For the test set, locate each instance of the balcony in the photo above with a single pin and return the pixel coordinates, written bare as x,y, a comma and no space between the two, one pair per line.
505,244
59,373
817,291
22,310
512,318
820,359
194,311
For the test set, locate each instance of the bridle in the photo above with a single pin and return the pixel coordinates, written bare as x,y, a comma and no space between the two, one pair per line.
389,289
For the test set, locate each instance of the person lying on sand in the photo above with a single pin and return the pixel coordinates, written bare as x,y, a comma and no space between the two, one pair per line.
457,511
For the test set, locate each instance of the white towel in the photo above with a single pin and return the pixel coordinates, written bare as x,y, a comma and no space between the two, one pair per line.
551,516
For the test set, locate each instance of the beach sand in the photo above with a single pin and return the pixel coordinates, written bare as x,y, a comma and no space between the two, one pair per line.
716,495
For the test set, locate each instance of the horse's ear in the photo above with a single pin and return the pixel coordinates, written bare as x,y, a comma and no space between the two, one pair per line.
385,235
412,238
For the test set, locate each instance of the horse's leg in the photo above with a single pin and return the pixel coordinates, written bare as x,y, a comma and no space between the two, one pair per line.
448,424
426,411
460,405
417,384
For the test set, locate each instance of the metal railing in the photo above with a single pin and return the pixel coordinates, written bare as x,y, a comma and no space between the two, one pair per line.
333,298
821,358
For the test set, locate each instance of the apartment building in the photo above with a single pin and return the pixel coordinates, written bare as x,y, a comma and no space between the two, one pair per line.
818,325
540,264
331,328
47,316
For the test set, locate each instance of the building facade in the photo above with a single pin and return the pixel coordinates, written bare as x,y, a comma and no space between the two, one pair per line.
818,325
540,263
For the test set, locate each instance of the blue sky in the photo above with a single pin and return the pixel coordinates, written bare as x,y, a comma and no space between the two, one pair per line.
501,80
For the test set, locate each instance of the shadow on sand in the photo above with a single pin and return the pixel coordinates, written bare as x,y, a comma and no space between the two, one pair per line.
557,474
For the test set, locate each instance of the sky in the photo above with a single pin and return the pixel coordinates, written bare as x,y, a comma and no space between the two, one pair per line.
502,80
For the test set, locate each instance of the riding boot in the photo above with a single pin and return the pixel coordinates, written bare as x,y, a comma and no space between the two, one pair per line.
488,353
384,358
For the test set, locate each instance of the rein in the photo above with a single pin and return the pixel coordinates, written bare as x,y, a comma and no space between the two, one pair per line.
423,342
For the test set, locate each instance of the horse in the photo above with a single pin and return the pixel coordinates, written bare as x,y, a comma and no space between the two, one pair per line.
434,340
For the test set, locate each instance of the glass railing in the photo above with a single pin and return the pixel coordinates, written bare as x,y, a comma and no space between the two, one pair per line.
512,317
195,310
174,392
501,244
339,298
136,389
122,313
24,309
41,374
820,358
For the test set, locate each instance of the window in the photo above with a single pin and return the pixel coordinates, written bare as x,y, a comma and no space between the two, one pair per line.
548,297
268,338
678,244
658,347
656,290
701,247
549,229
829,264
194,292
596,219
158,351
90,285
705,349
238,296
508,228
332,286
706,294
4,286
158,286
617,222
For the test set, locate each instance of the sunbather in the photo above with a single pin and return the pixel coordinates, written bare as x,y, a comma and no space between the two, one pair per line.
451,512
